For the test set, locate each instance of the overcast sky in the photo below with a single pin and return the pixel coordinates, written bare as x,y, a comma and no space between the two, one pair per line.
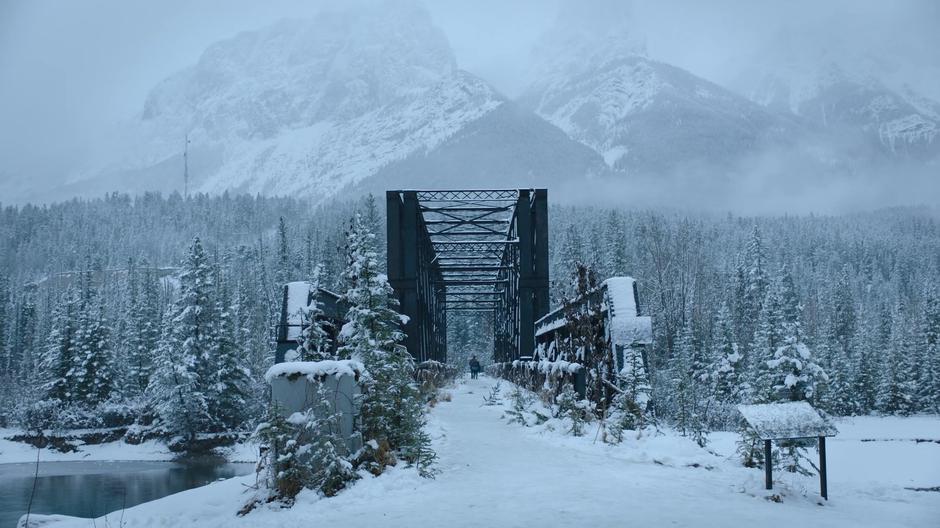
69,68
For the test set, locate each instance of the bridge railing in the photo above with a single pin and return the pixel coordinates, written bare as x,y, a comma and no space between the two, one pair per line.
558,359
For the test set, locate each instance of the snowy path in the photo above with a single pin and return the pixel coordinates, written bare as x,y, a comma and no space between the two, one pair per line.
495,474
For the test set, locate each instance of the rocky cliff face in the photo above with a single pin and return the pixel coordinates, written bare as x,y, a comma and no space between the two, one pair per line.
314,107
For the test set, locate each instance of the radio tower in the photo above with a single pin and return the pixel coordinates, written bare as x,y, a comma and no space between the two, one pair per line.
186,168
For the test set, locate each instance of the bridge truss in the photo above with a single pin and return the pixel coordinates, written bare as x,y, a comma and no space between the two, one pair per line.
452,252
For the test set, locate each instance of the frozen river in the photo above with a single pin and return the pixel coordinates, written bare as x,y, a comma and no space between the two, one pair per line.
91,489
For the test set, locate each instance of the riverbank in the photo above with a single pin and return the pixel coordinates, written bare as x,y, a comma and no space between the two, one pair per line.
494,473
89,489
12,452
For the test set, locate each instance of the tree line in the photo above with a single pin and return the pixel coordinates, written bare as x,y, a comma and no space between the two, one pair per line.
842,311
91,293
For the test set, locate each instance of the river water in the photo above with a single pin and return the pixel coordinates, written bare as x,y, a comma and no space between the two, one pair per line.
92,489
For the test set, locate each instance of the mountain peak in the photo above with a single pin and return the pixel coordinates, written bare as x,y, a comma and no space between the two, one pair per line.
844,89
585,39
313,107
297,72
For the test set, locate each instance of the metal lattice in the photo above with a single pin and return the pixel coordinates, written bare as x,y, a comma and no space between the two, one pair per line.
469,251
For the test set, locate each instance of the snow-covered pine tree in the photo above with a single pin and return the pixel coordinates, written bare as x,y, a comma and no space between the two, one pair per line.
329,455
252,318
572,254
796,373
94,380
597,257
570,405
868,347
24,337
687,393
840,397
629,406
372,217
315,343
8,384
617,264
125,346
283,270
930,341
767,337
59,363
754,284
143,333
181,384
286,462
229,397
392,411
896,390
331,259
727,370
4,319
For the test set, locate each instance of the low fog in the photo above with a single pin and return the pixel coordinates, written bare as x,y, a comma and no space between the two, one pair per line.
71,71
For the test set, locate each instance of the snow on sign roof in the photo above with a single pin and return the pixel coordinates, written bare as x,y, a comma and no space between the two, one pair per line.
775,421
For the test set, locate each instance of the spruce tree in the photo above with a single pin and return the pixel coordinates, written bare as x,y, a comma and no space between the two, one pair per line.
329,455
930,341
572,254
687,393
767,337
392,411
4,320
868,349
896,388
143,333
181,384
24,337
94,364
840,395
229,399
754,285
617,264
315,343
597,258
795,372
285,463
727,384
283,273
60,360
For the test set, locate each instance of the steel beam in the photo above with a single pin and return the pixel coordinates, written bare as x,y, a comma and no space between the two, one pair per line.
475,251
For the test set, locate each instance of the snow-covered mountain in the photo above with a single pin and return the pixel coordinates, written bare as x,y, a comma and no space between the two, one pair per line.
369,99
313,107
595,81
846,91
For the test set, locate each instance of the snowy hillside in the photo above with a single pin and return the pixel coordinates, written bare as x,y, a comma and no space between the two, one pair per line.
638,113
311,107
845,91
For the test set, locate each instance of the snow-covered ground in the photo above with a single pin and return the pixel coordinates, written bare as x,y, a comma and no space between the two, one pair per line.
493,473
152,450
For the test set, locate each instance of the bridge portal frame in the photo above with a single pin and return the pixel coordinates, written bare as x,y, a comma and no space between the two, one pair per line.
469,250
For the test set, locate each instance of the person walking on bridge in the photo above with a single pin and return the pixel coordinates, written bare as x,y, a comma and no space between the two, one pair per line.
474,367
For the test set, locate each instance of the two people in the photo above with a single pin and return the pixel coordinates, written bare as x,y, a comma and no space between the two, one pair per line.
474,367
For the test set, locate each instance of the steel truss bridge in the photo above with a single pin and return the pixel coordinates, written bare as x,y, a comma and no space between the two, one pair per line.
469,251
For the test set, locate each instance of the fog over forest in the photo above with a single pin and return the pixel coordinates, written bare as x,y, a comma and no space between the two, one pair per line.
74,75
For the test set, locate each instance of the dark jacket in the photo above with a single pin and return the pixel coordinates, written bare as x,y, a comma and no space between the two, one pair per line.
474,365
